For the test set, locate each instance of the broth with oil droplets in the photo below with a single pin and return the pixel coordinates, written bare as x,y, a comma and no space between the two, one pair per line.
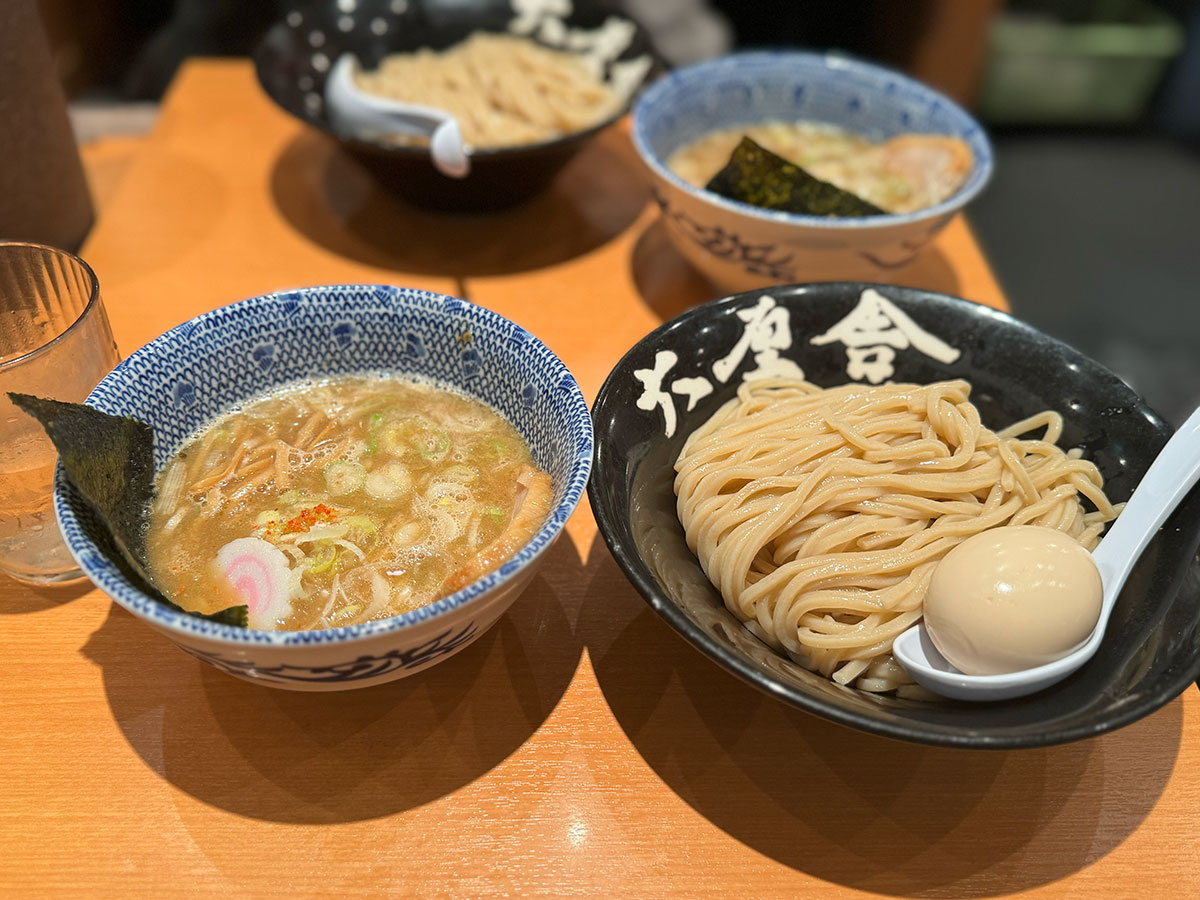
342,501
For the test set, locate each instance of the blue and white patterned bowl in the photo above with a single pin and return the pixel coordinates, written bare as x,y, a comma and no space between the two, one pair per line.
187,377
742,247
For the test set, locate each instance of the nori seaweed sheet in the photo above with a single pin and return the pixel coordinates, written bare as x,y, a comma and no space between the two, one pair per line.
761,178
110,462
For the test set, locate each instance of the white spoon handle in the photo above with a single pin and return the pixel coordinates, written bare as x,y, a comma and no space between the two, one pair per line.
355,110
1172,474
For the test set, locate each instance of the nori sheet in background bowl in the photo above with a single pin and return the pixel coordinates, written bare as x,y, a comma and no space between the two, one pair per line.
110,462
764,179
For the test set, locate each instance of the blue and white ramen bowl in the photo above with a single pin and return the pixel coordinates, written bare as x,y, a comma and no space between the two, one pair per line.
741,247
189,376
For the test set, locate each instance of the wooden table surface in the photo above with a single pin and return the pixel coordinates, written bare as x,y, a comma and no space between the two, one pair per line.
578,748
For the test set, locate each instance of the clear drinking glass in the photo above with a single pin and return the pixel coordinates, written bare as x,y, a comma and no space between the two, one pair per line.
55,341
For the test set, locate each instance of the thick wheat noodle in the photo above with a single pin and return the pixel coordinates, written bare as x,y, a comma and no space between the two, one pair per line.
820,514
504,90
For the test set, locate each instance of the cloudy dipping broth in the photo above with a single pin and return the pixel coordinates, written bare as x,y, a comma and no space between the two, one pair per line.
903,174
342,501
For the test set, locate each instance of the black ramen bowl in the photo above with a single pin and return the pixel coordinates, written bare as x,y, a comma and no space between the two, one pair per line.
1148,655
296,54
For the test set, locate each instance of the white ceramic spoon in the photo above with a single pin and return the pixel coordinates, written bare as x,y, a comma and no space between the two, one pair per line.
1166,483
356,111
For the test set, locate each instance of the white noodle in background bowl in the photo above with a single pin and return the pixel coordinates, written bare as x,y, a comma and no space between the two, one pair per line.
742,247
197,371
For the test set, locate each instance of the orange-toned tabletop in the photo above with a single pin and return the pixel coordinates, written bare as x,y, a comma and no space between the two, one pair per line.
579,748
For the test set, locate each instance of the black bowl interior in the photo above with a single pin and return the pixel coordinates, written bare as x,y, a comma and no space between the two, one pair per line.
1149,654
293,59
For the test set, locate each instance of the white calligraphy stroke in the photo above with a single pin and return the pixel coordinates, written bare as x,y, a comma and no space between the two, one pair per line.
653,396
768,330
530,13
597,49
652,393
872,333
695,389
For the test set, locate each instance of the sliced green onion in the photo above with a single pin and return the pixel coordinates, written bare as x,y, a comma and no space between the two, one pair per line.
344,477
392,437
388,483
321,558
431,443
461,474
362,525
373,432
496,450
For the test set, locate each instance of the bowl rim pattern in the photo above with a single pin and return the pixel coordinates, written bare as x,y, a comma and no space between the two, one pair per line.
569,400
830,62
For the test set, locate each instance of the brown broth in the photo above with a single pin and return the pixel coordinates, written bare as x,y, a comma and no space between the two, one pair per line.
381,494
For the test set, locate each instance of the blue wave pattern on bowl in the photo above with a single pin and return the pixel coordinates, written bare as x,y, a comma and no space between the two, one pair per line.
219,360
361,668
760,259
751,88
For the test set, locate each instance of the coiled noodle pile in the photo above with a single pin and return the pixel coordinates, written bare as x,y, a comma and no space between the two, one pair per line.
504,90
820,514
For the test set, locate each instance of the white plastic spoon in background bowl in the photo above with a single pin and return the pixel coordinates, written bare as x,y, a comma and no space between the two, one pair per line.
1172,474
353,110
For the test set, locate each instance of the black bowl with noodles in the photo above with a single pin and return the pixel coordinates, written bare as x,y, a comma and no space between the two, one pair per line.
295,56
642,418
